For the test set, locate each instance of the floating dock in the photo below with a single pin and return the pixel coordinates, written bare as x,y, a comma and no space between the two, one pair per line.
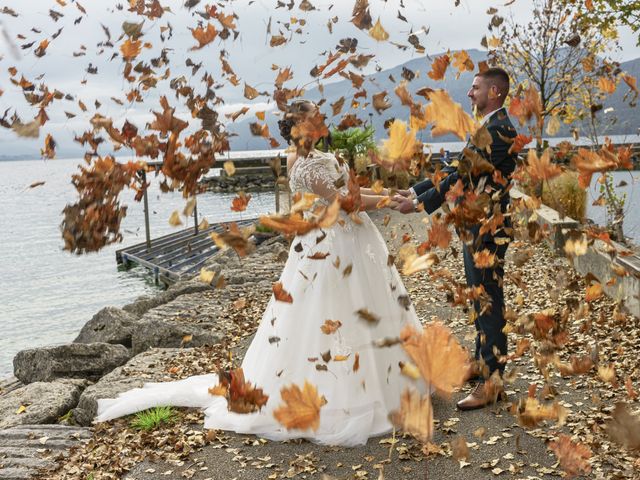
176,256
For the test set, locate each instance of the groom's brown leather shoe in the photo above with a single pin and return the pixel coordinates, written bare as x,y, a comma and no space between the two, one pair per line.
481,396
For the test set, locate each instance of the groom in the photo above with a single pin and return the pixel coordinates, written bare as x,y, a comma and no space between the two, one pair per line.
487,94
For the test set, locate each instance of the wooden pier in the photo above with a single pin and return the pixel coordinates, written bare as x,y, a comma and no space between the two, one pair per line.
176,256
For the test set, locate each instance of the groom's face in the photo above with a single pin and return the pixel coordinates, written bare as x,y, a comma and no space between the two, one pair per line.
479,94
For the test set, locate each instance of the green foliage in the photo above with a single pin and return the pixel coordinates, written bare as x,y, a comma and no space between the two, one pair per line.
609,14
564,194
67,417
152,418
353,141
263,229
615,207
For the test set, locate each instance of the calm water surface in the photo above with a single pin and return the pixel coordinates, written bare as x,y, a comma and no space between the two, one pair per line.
47,294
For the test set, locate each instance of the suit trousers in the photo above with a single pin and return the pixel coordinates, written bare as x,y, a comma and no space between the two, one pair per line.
490,339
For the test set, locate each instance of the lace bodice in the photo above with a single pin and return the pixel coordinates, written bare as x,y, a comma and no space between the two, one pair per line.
319,173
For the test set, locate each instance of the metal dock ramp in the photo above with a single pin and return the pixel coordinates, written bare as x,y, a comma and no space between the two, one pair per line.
175,256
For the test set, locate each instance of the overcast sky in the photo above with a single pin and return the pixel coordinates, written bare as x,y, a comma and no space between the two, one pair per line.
439,24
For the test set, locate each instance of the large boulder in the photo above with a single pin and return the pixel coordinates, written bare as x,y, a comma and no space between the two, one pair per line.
145,303
109,325
74,360
172,334
39,402
146,367
187,321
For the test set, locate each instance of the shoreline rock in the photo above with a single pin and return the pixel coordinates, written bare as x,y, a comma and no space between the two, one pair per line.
110,325
40,402
186,315
88,361
255,182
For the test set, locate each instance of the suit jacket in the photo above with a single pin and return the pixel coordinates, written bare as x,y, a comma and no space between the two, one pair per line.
501,129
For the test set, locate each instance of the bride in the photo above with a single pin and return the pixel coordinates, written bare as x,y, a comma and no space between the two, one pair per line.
345,300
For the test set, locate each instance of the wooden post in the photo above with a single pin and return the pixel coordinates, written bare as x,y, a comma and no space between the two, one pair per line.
146,210
277,191
195,214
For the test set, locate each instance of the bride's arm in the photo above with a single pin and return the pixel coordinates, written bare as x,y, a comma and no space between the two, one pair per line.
370,202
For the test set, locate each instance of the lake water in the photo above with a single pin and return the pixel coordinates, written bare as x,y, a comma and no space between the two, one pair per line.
47,294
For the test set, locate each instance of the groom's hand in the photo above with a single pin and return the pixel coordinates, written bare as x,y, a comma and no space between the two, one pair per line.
403,204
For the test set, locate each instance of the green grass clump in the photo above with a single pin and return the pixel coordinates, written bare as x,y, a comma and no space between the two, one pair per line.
152,418
564,194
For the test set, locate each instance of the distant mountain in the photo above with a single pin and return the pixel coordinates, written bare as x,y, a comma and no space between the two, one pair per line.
628,121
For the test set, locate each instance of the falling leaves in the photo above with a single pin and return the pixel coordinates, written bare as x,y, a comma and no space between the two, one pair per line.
49,149
401,147
242,396
574,457
624,427
330,326
440,358
541,168
378,32
301,407
281,294
130,49
439,67
415,416
448,116
204,36
240,202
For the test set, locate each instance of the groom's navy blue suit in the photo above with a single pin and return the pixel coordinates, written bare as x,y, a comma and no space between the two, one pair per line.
490,338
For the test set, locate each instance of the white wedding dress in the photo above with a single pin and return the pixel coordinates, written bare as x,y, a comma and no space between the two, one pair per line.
289,335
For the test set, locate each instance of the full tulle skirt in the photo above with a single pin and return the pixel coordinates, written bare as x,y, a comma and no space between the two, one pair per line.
354,284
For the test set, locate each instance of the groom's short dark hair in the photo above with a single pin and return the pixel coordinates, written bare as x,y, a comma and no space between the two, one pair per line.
499,77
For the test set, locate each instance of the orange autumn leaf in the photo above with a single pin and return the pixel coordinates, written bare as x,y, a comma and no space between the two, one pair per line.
448,116
463,62
311,129
204,36
281,294
594,292
242,396
378,32
530,412
574,457
42,48
130,49
519,142
631,81
239,203
606,85
235,238
588,162
527,106
49,149
542,168
440,358
330,326
249,92
296,224
401,146
415,416
439,234
439,67
484,259
301,408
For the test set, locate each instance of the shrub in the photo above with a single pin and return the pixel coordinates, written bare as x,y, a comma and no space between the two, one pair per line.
565,195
